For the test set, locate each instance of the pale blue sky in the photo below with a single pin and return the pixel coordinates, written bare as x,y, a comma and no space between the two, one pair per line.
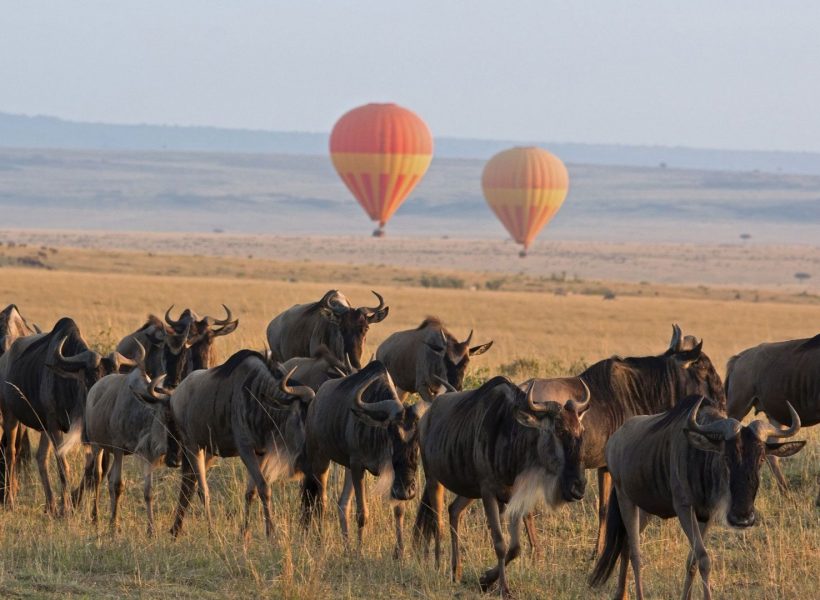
726,74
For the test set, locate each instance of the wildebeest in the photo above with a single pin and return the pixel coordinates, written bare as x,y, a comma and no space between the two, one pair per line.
204,330
47,378
415,358
244,407
331,321
692,463
155,339
313,371
625,387
115,422
498,444
360,423
770,376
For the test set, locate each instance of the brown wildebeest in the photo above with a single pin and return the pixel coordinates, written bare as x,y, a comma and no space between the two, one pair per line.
331,321
47,378
498,444
360,423
415,358
162,345
315,370
244,408
771,376
694,464
625,387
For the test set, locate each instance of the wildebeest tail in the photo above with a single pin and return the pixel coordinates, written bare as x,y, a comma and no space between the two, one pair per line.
73,437
311,489
613,545
426,524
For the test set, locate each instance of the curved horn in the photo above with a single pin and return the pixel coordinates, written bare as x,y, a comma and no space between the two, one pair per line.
69,360
468,340
776,432
157,382
36,328
141,354
447,385
303,392
168,318
348,364
381,303
335,307
552,408
726,428
675,342
360,392
228,317
581,407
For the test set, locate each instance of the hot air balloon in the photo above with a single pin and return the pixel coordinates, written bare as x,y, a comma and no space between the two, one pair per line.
381,151
525,187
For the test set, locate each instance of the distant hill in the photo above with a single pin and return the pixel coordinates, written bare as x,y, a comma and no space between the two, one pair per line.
19,131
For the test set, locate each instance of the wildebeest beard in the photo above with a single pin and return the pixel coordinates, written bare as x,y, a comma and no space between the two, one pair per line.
404,456
354,326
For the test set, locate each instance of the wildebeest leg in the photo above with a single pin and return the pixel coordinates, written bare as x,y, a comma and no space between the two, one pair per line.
344,505
251,461
604,488
774,465
63,472
513,551
43,450
87,479
398,515
115,488
694,530
631,516
201,478
491,510
532,536
357,474
97,480
10,427
454,511
148,494
187,485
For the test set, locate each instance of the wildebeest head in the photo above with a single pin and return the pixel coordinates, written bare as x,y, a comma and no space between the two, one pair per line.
12,326
454,355
176,355
386,411
203,333
292,396
351,324
702,373
87,366
559,442
743,449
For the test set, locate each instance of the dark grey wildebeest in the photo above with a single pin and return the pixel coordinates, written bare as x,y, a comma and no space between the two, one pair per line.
360,423
313,371
244,408
331,321
769,377
157,341
416,358
117,423
498,444
692,463
625,387
47,378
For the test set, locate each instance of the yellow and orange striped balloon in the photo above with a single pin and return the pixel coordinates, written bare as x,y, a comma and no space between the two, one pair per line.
525,187
381,151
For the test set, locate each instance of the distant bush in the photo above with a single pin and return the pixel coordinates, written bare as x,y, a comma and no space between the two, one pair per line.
494,284
609,295
441,281
801,276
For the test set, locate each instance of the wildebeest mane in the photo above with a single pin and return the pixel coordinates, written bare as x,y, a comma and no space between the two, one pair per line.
430,321
810,344
227,368
152,321
681,409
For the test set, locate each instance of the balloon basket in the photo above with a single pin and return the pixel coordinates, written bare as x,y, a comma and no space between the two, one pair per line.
378,232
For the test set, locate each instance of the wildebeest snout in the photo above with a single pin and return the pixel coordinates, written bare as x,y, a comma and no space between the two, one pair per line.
403,491
742,521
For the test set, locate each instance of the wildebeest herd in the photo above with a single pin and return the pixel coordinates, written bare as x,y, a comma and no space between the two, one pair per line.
662,431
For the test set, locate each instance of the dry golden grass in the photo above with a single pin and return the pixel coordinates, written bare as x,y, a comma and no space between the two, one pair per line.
43,557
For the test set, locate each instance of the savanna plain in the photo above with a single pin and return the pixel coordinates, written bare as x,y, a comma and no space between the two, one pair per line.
543,328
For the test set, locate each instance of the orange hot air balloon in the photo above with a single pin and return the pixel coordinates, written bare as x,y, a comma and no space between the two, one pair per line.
381,151
525,187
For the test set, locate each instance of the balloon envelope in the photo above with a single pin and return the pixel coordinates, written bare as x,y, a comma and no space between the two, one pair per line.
381,151
525,187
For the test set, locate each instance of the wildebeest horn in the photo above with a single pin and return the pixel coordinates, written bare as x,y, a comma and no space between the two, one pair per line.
338,309
360,392
212,321
348,364
468,340
303,392
88,358
377,308
168,318
156,383
552,408
675,342
447,385
581,407
36,328
770,430
725,429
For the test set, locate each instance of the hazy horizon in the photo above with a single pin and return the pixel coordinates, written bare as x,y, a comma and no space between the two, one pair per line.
703,75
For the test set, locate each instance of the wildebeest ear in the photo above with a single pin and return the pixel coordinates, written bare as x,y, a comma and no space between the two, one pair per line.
226,329
367,419
378,316
528,419
784,449
687,357
702,442
476,350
